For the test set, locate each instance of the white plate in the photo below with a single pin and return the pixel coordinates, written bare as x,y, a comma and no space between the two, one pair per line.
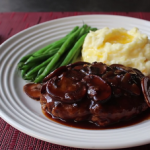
25,114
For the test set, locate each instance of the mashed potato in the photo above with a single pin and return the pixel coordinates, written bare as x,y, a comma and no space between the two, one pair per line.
118,46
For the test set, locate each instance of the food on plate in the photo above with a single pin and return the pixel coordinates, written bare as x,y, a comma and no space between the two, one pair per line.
35,67
33,90
118,46
96,92
111,85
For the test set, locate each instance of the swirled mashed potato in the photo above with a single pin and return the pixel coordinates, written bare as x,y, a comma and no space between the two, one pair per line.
118,46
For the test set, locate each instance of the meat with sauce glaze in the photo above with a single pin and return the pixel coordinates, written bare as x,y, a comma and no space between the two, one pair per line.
95,92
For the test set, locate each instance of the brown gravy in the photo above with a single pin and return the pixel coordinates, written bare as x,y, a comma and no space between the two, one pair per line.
87,125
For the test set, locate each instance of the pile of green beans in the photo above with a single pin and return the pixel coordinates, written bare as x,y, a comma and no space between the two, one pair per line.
36,66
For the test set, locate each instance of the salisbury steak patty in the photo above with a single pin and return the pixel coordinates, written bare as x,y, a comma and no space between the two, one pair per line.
95,92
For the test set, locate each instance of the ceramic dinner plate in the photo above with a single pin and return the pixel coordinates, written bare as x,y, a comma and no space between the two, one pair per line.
25,114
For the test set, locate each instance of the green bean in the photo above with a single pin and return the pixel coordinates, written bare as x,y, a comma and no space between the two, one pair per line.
39,66
23,72
93,29
59,62
88,29
48,51
57,44
42,50
38,58
41,70
82,32
74,50
42,57
77,54
26,69
28,66
31,78
67,44
36,54
52,50
20,65
72,31
23,59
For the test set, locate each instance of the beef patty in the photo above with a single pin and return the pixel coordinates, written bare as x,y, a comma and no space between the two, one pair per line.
95,92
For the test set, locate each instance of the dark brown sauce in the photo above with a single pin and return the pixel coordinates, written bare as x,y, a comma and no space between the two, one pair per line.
87,125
